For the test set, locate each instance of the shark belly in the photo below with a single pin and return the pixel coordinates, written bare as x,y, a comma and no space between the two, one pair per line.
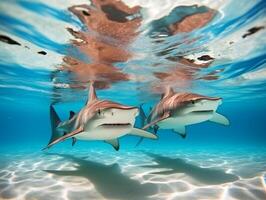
103,133
187,119
197,117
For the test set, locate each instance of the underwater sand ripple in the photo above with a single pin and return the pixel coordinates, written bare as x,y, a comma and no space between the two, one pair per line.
132,175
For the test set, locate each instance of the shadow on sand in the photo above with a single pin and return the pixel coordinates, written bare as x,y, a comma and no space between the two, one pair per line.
207,176
107,179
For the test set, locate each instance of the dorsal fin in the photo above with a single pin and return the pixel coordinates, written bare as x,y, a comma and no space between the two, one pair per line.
92,94
71,114
169,92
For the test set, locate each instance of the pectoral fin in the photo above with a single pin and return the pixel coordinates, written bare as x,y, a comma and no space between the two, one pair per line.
142,133
220,119
114,143
166,115
68,135
156,127
180,130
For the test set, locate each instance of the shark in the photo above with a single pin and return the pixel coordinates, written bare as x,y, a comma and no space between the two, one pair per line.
177,110
98,120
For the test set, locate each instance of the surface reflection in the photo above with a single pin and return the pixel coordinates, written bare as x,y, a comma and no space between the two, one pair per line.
109,28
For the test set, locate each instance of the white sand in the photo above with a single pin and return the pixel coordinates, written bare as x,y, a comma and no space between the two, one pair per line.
133,175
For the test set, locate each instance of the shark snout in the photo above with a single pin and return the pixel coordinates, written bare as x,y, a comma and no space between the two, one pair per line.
201,105
207,105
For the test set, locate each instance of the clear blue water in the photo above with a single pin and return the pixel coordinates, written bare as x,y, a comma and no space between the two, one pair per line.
150,56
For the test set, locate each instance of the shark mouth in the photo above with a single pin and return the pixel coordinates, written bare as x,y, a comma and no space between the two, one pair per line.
115,125
202,111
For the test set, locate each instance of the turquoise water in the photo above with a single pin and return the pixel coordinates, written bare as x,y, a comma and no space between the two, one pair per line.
50,51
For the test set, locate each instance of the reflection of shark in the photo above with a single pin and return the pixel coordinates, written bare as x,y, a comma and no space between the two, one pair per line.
208,176
98,120
177,110
108,180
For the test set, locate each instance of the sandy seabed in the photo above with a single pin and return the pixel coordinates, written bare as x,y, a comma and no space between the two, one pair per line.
138,175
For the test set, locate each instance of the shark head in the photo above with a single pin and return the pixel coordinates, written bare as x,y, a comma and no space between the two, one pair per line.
115,117
104,119
200,104
183,103
108,113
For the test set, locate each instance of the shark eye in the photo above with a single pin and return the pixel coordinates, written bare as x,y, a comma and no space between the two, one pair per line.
193,102
99,112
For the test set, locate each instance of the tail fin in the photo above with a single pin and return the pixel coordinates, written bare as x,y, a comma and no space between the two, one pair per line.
54,123
143,120
142,115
